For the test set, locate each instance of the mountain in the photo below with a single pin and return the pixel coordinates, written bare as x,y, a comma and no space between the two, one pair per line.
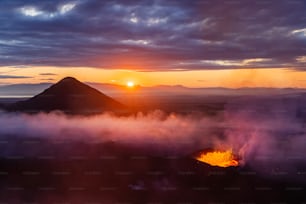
69,95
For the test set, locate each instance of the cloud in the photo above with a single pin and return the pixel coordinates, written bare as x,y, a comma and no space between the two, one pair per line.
47,74
270,135
32,11
14,77
152,35
140,130
48,79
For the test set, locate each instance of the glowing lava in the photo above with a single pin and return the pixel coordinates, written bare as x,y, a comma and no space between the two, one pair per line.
218,158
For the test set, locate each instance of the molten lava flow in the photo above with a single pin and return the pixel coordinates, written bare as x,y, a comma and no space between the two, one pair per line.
218,158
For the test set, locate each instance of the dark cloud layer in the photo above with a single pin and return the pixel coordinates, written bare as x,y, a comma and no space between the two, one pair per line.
153,35
13,77
47,74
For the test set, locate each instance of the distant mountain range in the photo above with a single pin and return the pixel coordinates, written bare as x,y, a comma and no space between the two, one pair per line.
22,90
72,96
69,95
29,90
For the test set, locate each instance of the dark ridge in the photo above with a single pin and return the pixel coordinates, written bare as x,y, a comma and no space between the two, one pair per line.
71,96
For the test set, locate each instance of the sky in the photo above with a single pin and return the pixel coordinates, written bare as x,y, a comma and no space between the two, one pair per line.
200,43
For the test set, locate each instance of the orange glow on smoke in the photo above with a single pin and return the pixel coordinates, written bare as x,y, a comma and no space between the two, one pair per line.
218,158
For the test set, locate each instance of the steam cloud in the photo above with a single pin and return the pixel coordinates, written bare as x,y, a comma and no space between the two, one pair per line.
260,138
172,133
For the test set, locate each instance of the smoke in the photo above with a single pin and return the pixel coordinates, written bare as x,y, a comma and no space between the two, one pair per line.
262,136
167,133
269,135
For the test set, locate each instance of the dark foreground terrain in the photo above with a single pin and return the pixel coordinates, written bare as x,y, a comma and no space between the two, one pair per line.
78,172
53,158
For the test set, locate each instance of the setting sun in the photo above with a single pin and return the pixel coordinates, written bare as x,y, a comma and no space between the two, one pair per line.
130,84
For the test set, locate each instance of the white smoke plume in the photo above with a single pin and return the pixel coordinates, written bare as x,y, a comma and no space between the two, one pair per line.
259,139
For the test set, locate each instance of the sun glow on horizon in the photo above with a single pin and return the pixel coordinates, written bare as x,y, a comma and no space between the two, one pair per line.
130,84
231,78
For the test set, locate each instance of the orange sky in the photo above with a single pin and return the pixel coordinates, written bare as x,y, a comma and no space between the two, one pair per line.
232,78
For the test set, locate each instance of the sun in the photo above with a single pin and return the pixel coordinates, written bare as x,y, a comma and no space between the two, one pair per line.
130,84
